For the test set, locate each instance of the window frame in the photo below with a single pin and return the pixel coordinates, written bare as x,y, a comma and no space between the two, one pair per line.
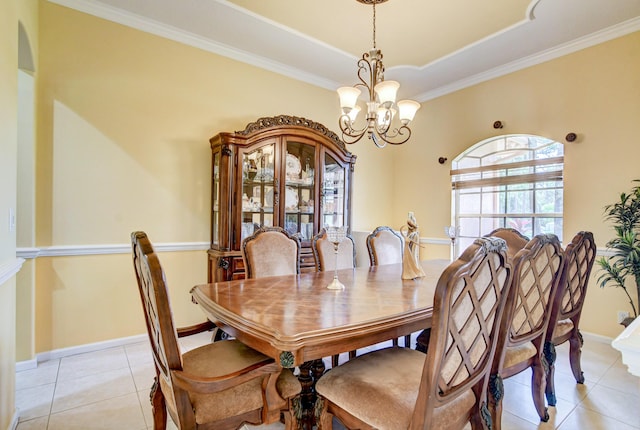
519,163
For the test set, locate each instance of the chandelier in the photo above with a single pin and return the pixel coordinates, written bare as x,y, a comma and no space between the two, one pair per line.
382,107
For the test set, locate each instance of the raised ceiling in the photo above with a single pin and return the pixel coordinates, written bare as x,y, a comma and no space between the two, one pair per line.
432,47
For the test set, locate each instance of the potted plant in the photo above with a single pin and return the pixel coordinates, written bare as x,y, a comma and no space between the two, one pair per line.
622,268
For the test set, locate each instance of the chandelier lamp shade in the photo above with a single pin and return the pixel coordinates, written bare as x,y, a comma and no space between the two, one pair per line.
386,121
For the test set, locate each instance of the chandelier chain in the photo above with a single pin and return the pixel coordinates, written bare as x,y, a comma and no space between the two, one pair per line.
374,25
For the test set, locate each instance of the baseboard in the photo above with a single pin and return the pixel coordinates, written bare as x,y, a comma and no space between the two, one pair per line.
14,421
596,337
80,349
98,346
26,365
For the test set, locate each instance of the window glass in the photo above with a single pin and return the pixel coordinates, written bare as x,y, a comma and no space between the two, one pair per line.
513,181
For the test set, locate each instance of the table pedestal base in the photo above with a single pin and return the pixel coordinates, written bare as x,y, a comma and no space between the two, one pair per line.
310,372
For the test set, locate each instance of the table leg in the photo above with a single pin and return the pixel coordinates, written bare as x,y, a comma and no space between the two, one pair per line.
310,372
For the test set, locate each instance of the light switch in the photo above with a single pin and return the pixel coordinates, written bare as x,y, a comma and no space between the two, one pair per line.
12,220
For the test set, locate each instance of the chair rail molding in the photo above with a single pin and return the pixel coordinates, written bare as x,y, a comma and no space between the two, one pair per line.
8,269
70,250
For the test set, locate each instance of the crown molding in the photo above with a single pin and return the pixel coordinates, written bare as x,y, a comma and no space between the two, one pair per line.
593,39
166,31
335,63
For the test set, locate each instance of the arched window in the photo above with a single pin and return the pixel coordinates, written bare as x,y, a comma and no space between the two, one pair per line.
508,181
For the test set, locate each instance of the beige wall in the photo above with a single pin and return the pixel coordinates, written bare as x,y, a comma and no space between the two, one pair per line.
123,125
594,93
11,12
8,130
124,120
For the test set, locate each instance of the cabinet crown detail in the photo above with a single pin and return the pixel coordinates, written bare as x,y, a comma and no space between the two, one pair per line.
287,120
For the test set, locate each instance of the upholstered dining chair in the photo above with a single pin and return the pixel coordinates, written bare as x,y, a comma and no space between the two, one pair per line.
325,258
536,274
400,388
219,385
579,257
271,251
385,246
324,252
515,240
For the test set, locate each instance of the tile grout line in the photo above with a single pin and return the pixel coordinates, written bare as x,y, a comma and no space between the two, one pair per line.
144,417
53,395
573,412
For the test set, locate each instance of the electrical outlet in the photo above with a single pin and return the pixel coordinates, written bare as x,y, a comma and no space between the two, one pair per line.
622,315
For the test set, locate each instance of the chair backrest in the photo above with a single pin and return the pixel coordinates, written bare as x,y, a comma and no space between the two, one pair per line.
158,317
469,302
537,269
271,251
515,240
579,257
325,256
385,246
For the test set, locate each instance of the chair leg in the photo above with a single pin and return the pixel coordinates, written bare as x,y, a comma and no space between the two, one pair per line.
477,422
352,355
394,342
575,353
291,414
496,392
422,342
334,360
538,385
407,341
550,390
158,406
550,358
325,421
495,409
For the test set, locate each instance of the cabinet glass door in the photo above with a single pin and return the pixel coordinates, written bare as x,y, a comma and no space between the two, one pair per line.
333,193
299,190
258,190
215,197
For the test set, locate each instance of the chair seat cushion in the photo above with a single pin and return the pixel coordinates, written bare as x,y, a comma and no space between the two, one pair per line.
226,357
517,354
563,327
381,388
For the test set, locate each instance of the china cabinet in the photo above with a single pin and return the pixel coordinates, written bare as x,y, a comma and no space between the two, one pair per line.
279,171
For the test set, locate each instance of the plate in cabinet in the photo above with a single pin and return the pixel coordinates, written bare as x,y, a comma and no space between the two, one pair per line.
293,166
291,198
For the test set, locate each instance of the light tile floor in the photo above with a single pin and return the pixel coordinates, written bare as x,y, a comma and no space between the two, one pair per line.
109,390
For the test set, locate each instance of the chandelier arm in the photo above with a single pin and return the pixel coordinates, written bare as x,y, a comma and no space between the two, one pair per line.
374,137
397,132
346,127
349,139
382,127
365,68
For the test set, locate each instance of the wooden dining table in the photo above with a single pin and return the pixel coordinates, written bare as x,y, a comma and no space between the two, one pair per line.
297,320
